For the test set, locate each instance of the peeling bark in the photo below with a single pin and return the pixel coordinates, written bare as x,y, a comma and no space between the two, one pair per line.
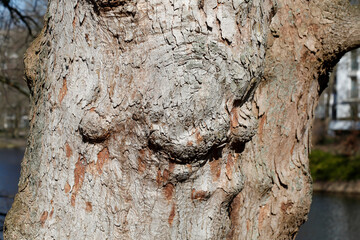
175,119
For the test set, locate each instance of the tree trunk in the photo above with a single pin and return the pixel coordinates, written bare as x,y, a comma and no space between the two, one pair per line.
175,119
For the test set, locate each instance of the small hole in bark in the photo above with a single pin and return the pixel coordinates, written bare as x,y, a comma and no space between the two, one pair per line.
237,146
238,103
216,153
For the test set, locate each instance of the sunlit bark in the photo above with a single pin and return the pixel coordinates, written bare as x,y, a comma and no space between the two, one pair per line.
175,119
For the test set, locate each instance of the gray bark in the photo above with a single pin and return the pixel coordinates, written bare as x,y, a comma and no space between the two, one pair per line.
175,119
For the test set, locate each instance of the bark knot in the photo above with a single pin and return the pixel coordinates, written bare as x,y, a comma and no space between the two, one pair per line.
93,128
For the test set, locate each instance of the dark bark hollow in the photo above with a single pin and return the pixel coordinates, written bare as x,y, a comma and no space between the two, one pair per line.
174,119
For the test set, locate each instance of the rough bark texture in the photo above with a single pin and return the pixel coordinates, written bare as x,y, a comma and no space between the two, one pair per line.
175,119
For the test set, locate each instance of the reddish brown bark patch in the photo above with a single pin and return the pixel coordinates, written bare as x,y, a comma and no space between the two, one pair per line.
159,178
264,210
88,207
43,218
172,214
229,166
261,126
292,149
248,225
189,167
171,167
141,165
169,191
141,161
63,91
198,137
111,89
102,158
199,195
68,150
67,187
52,212
234,120
286,206
215,168
74,22
166,175
79,174
234,215
73,199
163,177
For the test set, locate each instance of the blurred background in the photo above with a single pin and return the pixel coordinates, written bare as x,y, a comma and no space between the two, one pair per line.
334,159
20,22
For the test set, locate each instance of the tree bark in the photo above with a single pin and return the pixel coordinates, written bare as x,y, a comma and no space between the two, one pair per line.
175,119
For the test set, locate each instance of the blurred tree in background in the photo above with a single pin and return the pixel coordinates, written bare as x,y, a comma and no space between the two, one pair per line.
20,22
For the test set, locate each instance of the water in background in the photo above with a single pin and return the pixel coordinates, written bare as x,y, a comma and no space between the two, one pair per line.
332,217
10,160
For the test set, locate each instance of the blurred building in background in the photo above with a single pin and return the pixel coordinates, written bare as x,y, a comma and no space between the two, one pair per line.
20,22
339,104
14,104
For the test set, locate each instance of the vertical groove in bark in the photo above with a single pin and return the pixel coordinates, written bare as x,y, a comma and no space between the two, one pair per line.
145,125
